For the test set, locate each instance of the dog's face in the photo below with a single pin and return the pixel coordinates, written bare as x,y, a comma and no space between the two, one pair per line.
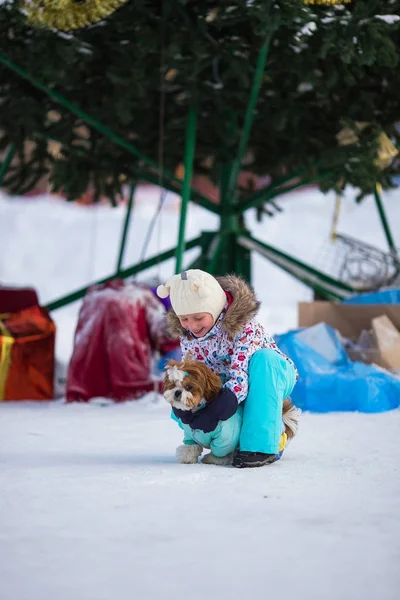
189,383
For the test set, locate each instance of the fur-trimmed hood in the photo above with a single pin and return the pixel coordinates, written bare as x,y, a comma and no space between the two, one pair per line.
243,308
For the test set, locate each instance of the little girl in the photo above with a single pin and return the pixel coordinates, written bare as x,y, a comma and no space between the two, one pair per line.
215,320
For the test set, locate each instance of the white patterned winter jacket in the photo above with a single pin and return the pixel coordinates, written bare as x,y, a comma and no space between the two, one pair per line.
228,347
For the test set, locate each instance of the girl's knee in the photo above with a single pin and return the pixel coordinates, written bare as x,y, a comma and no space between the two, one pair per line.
270,365
268,357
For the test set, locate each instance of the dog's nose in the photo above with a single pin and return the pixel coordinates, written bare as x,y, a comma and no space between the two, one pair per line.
178,393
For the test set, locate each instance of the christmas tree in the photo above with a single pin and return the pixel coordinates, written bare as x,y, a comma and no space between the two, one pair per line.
327,68
294,91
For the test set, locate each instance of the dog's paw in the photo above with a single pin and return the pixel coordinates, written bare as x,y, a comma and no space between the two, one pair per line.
211,459
188,454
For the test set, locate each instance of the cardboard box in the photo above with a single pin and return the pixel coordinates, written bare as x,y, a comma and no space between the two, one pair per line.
387,340
351,319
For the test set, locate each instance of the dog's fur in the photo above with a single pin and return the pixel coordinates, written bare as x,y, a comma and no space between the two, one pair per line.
188,384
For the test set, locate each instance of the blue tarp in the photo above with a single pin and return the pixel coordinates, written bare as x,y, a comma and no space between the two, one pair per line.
335,383
330,381
381,297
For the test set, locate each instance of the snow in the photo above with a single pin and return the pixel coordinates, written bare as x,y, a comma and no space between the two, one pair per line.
389,19
93,505
308,29
66,246
305,86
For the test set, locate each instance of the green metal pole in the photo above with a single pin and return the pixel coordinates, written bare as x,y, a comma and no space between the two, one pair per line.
124,273
385,222
6,162
266,195
214,254
301,271
190,145
125,229
76,111
248,121
221,252
103,129
171,186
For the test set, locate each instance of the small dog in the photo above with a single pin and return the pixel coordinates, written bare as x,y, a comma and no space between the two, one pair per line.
190,385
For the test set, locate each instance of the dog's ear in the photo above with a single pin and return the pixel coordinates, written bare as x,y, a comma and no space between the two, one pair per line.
209,382
213,385
172,363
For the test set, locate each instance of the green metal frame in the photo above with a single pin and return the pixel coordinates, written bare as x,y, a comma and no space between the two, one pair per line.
384,221
322,284
190,145
123,274
224,251
125,231
6,163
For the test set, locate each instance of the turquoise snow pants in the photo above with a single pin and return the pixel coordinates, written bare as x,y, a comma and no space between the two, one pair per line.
271,380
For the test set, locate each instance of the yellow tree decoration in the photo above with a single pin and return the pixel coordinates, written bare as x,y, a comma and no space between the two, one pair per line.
387,151
327,2
66,15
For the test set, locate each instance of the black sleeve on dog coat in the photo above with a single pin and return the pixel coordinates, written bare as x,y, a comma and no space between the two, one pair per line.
222,408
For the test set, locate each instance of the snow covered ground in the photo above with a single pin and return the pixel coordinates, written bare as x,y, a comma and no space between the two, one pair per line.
93,505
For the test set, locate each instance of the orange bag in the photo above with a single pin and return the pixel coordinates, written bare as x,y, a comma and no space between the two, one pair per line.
27,340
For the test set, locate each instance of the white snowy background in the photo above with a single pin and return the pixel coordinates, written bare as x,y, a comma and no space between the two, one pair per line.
93,505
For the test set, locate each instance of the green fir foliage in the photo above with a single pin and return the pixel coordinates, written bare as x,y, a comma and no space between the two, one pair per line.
328,67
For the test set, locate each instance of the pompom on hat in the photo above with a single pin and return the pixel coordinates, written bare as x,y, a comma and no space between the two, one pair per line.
194,291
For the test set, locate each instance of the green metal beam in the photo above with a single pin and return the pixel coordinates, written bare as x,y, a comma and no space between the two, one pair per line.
166,183
213,254
125,229
60,99
273,191
171,186
197,263
280,184
331,288
97,125
384,221
6,162
190,144
123,274
249,116
254,199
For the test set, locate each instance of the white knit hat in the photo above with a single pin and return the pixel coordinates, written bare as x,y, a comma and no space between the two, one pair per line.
194,291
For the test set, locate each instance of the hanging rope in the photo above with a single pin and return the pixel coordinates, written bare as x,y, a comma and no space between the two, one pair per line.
151,227
161,128
91,263
163,192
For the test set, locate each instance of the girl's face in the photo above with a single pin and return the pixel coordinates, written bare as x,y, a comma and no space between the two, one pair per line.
198,323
